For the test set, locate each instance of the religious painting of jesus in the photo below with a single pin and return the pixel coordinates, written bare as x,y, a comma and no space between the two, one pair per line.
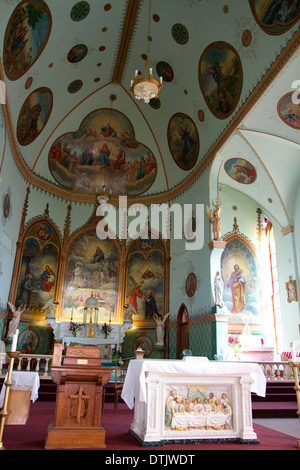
103,150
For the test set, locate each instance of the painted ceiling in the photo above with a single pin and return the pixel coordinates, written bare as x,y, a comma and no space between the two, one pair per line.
227,69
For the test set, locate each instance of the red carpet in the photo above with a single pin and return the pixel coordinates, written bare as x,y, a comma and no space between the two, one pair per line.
32,435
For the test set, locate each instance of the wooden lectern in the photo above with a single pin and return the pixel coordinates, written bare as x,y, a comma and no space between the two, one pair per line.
80,379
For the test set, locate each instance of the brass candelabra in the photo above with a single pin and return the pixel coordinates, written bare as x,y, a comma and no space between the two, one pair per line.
12,356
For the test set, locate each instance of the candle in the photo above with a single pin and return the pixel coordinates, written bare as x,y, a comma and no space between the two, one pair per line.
14,341
294,359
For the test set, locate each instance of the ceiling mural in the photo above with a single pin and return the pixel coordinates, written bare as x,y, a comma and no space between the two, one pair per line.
62,61
288,111
275,16
183,141
103,151
34,115
240,170
26,36
220,78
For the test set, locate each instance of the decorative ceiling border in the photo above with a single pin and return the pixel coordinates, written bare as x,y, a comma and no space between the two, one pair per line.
173,193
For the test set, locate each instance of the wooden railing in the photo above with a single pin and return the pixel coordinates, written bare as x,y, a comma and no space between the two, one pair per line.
41,363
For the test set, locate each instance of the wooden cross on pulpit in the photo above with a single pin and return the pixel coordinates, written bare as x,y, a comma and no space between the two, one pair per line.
80,380
80,399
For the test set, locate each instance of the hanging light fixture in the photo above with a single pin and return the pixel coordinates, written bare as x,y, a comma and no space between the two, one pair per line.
104,197
146,88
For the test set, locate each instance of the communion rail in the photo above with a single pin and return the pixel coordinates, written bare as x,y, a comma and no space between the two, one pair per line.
41,363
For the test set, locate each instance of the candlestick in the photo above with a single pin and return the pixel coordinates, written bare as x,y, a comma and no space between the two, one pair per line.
12,355
14,341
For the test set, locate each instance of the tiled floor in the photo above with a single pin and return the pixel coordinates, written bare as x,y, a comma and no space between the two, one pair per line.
289,426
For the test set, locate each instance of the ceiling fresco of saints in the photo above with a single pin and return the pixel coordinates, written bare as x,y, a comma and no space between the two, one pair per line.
103,151
26,36
221,78
275,16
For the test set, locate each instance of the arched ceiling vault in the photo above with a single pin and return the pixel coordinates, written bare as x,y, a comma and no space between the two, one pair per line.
227,72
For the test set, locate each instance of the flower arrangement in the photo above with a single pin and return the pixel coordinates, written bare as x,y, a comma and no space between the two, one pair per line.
116,351
288,354
235,345
106,329
74,327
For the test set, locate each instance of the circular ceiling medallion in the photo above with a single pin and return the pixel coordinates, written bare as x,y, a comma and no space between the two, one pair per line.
220,78
28,83
246,38
180,33
107,7
75,86
34,115
80,11
165,71
26,36
201,115
183,140
191,285
156,18
240,170
275,17
288,111
155,103
77,53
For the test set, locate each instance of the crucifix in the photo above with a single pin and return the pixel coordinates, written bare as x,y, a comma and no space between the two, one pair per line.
82,400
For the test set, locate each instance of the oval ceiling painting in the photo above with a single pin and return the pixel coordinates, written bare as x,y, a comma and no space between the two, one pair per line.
183,141
221,78
275,16
103,151
240,170
26,36
34,115
288,111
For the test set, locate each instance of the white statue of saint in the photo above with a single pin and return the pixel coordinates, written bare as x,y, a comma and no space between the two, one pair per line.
14,322
160,328
51,309
218,288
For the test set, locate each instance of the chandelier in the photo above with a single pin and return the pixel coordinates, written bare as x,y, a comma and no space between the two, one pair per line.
104,197
146,88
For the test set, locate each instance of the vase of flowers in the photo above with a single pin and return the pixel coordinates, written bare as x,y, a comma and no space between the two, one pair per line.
74,327
106,329
115,355
235,345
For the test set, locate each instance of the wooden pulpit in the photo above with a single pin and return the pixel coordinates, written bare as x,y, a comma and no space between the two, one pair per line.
80,380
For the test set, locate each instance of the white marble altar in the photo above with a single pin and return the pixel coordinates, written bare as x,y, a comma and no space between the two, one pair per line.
169,400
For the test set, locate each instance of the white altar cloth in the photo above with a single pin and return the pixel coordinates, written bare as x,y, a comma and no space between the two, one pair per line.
186,420
23,380
135,383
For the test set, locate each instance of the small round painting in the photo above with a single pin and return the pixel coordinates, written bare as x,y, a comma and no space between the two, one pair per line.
34,115
220,78
191,285
240,170
288,111
183,140
6,205
77,53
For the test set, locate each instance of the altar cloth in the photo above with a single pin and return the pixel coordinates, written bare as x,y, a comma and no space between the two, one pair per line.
23,380
135,383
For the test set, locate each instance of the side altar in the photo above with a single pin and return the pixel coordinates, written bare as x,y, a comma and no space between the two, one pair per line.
80,379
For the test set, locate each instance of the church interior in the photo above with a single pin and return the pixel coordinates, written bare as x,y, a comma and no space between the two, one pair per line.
181,118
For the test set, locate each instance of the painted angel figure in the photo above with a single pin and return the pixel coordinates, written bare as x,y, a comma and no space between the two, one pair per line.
14,322
214,218
160,327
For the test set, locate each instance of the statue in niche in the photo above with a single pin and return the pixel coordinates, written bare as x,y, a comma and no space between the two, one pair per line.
218,288
214,218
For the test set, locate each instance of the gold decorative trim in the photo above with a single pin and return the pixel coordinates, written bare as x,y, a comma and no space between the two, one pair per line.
288,229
